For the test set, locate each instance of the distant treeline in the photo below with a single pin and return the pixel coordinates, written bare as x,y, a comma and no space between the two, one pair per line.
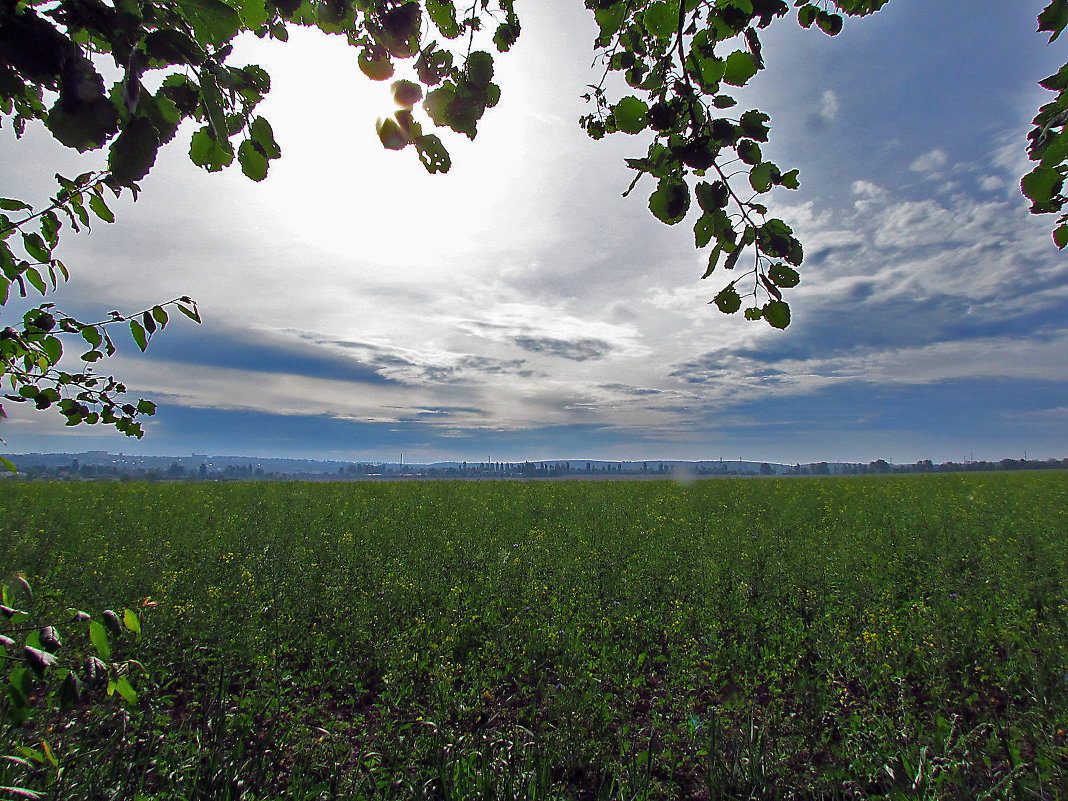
358,471
883,467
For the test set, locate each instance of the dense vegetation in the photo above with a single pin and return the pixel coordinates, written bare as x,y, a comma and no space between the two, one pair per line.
899,637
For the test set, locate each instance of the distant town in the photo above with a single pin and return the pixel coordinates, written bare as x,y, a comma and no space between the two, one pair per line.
105,466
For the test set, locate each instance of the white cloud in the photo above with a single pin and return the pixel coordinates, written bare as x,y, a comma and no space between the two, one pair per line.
867,189
930,161
828,106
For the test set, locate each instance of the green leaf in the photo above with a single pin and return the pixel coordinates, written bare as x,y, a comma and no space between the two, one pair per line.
661,19
212,21
160,315
146,407
253,163
123,687
749,151
713,195
253,13
732,257
98,635
754,125
139,335
375,64
443,14
703,230
1060,236
1056,150
8,204
191,313
860,8
406,93
91,335
478,70
207,152
100,208
784,276
630,114
1054,18
213,107
740,67
789,179
670,201
713,258
169,46
806,15
830,24
131,621
263,135
50,226
728,300
52,348
1042,184
761,176
610,19
35,279
36,247
432,154
777,313
391,135
8,465
86,127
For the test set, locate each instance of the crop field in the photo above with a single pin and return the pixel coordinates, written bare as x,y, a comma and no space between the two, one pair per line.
892,637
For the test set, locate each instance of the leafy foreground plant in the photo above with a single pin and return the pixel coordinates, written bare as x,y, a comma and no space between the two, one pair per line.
65,663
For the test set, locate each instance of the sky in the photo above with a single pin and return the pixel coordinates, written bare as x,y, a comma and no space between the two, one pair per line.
519,307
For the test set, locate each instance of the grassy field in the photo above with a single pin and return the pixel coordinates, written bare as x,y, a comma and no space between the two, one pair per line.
808,638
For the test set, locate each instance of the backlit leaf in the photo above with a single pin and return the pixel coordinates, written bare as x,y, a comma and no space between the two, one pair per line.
139,335
100,208
1054,18
432,154
253,163
36,247
777,313
610,19
1041,184
263,135
728,300
661,19
740,67
630,114
670,201
132,622
784,276
212,21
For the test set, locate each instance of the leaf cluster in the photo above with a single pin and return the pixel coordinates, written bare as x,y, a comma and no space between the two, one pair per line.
63,663
684,61
1048,139
30,352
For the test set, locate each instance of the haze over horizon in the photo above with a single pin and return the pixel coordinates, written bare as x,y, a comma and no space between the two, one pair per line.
356,308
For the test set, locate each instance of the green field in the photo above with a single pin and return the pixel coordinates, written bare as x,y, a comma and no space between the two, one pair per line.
807,638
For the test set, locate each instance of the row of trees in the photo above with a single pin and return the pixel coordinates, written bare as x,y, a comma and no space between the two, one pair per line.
123,77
